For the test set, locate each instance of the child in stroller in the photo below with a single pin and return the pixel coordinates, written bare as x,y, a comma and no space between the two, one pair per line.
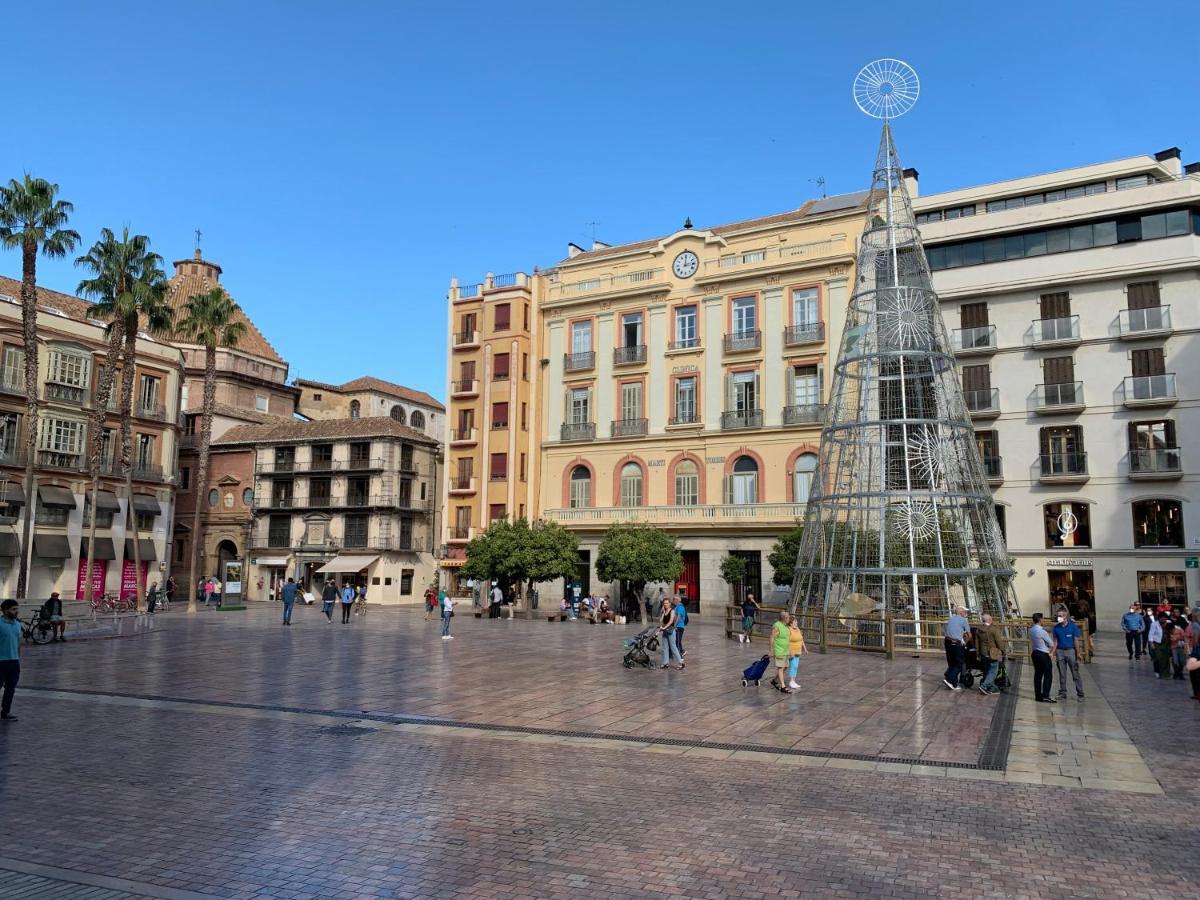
639,647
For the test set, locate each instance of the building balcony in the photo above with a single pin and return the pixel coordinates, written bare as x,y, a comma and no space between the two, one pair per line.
993,469
460,534
1065,397
1150,321
684,344
627,356
499,424
1062,332
189,441
147,472
156,413
579,362
1059,468
809,333
466,387
743,342
626,282
1150,390
622,428
65,393
396,544
54,459
466,340
808,414
1160,463
281,502
12,383
363,464
768,257
288,467
463,437
733,514
740,419
578,431
983,404
974,341
687,418
461,485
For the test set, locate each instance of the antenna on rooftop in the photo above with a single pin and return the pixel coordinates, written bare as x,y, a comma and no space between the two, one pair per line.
819,181
199,233
593,227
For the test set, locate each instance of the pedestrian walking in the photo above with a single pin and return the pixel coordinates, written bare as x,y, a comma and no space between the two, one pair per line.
447,615
152,597
1042,651
1147,621
430,600
347,603
1067,637
1159,651
681,620
169,592
1133,625
497,598
289,600
329,595
991,645
749,608
10,657
955,634
666,630
1179,649
780,644
796,649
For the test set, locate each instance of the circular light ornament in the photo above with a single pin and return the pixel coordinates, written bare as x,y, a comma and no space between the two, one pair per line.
915,517
886,88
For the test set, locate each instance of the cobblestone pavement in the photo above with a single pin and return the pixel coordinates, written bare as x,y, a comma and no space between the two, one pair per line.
241,801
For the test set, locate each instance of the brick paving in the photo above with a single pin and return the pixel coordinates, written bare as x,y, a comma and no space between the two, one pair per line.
246,803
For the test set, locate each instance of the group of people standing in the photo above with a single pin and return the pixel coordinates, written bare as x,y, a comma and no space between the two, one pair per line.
1169,637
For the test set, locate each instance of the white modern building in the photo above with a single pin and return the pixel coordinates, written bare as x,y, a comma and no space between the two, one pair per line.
1074,303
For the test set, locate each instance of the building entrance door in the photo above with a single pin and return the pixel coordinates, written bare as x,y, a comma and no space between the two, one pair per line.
688,585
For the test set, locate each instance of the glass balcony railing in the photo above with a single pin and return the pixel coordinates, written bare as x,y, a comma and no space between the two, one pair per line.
1057,396
1063,464
986,400
1056,331
1150,389
974,340
1148,320
1157,461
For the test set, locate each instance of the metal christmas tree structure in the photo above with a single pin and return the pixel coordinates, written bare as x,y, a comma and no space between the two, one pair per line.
900,519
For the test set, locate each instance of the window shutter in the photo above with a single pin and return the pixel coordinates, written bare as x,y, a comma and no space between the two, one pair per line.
1169,432
567,407
789,398
1144,295
1149,362
729,393
821,382
1133,436
757,393
1044,440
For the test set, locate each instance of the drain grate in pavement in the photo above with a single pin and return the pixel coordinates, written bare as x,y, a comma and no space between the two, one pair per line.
345,730
993,755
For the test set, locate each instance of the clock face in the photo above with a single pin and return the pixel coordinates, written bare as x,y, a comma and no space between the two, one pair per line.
686,264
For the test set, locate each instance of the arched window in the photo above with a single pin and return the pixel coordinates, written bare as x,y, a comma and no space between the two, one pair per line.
631,484
743,484
214,497
355,406
687,483
417,420
1157,523
581,488
398,413
802,477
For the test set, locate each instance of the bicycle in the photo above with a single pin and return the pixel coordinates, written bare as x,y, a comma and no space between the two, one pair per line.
38,630
103,603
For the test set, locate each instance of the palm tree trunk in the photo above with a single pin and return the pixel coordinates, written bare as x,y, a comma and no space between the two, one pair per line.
95,442
30,331
210,401
127,368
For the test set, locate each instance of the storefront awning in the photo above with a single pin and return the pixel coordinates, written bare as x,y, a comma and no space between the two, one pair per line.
10,546
107,500
144,503
104,548
51,546
54,497
271,560
13,493
453,563
145,549
347,564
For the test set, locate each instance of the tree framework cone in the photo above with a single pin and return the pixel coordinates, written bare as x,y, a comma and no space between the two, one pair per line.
900,510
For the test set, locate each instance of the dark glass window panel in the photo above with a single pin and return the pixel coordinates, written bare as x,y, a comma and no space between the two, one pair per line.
967,211
1014,203
1081,237
1154,226
952,214
954,256
1104,234
1073,192
1129,230
1098,188
1058,241
1157,523
937,258
1054,196
1014,246
972,253
1033,200
995,206
1177,221
1035,243
993,250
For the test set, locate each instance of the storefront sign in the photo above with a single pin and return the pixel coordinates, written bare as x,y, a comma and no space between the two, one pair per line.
1068,563
128,585
99,573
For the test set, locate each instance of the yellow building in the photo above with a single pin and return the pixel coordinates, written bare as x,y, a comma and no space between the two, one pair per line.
684,386
491,416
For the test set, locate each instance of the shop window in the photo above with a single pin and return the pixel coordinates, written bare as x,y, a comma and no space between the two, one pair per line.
1157,523
1162,587
1067,525
406,582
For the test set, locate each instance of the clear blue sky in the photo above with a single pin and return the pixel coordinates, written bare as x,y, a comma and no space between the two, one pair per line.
344,159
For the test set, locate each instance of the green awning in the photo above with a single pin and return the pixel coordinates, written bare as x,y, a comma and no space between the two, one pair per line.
10,546
104,547
13,493
51,546
145,549
144,503
107,500
54,497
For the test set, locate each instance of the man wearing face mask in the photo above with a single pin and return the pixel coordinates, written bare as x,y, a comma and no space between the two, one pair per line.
1133,626
1066,634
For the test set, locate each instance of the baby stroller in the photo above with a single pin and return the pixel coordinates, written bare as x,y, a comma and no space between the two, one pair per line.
639,647
755,671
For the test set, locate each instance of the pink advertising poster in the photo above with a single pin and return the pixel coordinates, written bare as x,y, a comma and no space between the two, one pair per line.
99,573
128,588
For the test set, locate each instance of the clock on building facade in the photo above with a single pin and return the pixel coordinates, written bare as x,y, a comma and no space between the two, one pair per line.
686,264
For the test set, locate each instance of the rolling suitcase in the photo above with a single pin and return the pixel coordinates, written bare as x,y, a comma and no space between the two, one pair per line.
755,671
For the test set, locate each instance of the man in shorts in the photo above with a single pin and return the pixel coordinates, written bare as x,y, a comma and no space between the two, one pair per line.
52,612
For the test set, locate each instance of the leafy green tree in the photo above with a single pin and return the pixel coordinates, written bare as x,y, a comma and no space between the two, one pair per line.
32,219
513,552
733,572
553,552
210,320
783,555
637,553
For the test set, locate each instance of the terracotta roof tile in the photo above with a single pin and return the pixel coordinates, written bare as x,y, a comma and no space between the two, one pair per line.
322,429
238,412
72,306
379,386
185,284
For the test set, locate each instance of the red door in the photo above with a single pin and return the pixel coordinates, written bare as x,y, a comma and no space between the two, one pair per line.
688,585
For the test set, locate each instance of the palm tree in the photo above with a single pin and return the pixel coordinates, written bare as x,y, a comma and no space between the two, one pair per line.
209,320
146,306
32,219
115,264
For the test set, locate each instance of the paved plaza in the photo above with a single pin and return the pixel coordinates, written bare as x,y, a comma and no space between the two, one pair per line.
223,754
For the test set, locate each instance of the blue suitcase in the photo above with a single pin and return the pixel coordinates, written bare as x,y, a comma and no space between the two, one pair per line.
756,671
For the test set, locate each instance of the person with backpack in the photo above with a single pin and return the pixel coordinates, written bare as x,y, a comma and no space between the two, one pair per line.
329,595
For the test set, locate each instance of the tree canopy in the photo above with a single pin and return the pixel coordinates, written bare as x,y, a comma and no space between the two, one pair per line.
783,555
638,553
733,569
513,551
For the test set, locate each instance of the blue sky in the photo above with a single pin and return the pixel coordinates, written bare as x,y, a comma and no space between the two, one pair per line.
345,159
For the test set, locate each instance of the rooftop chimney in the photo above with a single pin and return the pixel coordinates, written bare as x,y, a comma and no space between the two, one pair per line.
573,250
1170,160
912,182
1192,169
600,245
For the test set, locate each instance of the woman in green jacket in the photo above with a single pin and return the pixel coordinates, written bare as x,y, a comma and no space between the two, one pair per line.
780,639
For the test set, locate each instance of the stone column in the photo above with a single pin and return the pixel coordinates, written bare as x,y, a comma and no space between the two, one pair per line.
714,374
772,378
657,385
603,411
